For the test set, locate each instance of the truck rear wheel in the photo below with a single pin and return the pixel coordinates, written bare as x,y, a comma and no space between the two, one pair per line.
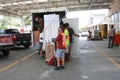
6,52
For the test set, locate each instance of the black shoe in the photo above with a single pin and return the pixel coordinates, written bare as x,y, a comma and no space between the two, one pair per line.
57,68
62,67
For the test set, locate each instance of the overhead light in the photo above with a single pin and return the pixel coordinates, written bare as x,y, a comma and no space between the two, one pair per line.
2,4
15,3
55,0
40,0
28,2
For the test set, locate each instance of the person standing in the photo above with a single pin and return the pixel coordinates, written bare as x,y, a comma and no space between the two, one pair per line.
111,35
41,40
66,32
90,35
71,33
60,51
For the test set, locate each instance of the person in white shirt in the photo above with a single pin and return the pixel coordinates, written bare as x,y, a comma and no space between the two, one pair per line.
111,35
41,40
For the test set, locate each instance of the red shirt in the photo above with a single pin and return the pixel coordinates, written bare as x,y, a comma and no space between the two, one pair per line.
59,41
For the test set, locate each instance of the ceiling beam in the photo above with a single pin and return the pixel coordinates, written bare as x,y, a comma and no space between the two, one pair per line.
9,14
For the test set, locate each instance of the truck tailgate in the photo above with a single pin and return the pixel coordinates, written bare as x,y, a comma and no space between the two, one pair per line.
6,40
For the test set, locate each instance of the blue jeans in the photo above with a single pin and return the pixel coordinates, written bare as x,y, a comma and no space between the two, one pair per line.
111,42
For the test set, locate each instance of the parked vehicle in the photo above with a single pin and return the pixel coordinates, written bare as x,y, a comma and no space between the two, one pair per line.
84,34
6,43
19,38
1,31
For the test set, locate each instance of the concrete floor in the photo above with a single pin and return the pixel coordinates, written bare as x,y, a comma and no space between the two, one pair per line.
94,62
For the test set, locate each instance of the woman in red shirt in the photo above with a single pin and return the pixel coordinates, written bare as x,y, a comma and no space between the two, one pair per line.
60,52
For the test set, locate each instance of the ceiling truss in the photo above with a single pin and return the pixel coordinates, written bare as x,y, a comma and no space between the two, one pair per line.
25,7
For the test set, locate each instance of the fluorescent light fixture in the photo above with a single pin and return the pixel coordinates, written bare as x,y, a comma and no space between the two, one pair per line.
55,0
15,3
27,2
40,0
2,5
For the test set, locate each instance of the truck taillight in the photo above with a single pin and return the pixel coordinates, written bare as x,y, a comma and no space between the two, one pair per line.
14,37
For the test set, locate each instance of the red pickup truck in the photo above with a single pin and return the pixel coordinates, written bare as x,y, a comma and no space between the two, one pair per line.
19,38
6,43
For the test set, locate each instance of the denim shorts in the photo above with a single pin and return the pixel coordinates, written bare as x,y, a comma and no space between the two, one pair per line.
60,53
40,46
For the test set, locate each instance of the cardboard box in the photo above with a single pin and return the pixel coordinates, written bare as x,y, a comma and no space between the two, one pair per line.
50,49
